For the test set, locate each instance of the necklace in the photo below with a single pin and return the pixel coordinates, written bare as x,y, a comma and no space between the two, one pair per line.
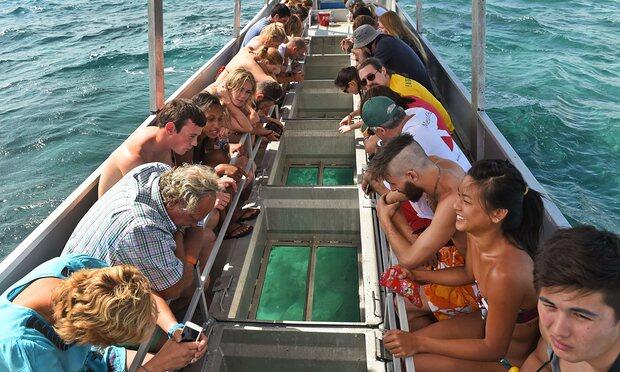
432,200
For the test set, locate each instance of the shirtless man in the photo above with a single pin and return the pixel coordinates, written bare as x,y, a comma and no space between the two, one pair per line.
264,64
412,175
292,52
268,93
179,123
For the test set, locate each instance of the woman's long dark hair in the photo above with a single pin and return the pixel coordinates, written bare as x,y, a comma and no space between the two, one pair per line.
503,187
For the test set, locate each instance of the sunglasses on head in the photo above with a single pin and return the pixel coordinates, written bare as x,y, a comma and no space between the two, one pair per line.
369,77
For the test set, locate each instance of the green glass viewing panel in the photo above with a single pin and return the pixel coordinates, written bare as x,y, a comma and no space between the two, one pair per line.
336,285
336,176
283,296
303,176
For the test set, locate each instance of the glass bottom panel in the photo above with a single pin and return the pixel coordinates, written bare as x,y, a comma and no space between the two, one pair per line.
303,176
283,296
336,285
335,176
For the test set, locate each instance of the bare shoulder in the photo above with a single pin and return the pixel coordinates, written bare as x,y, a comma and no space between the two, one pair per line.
253,44
212,88
514,269
451,175
237,61
131,152
515,264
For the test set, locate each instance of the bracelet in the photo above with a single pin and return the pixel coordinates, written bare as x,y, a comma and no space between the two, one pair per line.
174,328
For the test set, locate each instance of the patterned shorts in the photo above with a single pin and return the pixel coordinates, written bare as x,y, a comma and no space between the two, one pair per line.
444,301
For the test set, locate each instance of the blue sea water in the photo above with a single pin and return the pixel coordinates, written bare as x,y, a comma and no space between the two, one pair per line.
74,84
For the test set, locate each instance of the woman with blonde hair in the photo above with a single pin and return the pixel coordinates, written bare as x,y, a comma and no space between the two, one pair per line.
235,90
391,24
271,36
270,61
67,314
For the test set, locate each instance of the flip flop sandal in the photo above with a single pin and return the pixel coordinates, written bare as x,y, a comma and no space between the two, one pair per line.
245,216
239,231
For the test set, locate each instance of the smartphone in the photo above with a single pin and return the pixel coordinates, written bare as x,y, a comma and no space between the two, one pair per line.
191,332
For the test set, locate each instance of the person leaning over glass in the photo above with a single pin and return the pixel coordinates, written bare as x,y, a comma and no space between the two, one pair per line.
69,312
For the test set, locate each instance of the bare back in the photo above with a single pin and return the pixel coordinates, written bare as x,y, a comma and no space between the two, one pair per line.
140,148
245,59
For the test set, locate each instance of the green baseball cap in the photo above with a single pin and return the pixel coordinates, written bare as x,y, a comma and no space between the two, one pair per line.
378,111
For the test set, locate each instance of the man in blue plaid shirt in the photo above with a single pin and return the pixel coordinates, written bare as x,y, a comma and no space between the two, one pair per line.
139,222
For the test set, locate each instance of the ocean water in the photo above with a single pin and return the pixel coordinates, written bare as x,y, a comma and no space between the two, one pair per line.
74,84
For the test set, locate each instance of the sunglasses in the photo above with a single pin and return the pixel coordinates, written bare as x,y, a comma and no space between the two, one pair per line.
369,77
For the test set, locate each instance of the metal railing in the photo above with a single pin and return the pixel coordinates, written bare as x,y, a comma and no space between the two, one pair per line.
388,259
246,141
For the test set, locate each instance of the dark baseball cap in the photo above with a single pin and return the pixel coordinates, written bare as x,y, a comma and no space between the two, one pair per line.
378,111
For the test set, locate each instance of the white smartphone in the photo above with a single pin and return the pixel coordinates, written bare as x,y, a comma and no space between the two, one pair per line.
191,332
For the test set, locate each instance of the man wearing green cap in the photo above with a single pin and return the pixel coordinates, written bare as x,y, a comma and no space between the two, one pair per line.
388,120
